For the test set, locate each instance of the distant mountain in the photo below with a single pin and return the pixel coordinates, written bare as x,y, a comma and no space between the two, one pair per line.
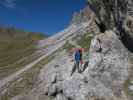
82,16
15,44
14,33
82,22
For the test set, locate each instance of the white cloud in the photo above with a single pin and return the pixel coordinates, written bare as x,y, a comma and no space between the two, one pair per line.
9,3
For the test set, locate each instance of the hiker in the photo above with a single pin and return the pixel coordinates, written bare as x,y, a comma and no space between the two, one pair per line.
77,60
119,27
85,58
81,61
96,44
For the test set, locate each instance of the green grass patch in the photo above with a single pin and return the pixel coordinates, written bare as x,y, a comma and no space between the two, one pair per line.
16,44
126,87
85,40
14,50
128,83
67,46
6,71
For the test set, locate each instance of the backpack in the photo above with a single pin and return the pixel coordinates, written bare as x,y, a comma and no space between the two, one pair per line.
77,56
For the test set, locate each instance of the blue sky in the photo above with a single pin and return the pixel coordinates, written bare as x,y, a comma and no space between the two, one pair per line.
46,16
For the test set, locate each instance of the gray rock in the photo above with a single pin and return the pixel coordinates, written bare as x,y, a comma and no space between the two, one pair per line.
60,97
52,90
72,86
115,15
110,12
131,88
19,97
106,72
59,87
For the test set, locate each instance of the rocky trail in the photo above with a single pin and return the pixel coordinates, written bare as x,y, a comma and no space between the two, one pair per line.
103,78
49,51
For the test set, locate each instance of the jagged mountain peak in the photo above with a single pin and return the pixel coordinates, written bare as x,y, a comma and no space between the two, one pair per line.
83,15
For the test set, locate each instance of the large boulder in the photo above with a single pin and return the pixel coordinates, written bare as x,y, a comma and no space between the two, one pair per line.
109,63
103,78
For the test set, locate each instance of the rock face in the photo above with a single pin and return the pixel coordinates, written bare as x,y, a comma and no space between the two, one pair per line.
103,79
115,14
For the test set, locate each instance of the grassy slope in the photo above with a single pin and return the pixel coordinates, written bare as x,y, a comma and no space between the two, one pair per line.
85,40
14,46
68,46
28,80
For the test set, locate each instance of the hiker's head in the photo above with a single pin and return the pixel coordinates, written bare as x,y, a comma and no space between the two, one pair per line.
77,50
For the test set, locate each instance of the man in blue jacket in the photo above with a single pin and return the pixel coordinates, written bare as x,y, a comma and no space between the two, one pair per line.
77,59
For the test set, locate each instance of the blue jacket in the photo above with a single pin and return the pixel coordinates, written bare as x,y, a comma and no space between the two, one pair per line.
77,56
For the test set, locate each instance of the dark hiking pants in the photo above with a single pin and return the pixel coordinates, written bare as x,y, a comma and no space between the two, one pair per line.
76,67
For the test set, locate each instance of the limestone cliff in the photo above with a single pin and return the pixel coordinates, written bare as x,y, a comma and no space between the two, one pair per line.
115,15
